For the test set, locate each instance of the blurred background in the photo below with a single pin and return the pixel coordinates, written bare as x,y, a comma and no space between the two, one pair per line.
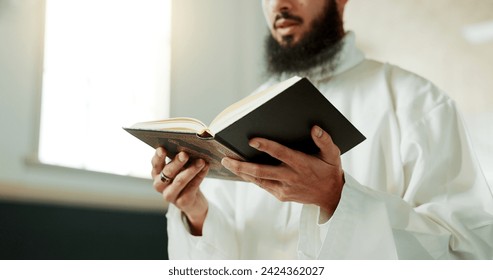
74,185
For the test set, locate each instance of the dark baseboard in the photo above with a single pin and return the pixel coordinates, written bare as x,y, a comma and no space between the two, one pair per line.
49,232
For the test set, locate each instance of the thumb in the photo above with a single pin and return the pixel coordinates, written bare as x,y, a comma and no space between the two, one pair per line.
329,152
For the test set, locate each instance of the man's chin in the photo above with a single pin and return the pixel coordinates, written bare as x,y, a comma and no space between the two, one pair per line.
289,51
287,41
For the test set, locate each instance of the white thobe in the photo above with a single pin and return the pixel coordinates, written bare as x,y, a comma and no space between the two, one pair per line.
413,189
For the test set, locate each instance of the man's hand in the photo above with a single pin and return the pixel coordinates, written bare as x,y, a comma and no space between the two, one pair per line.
309,179
182,188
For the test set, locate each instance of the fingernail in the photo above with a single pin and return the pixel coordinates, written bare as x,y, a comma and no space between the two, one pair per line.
254,144
182,157
318,131
199,163
160,152
225,162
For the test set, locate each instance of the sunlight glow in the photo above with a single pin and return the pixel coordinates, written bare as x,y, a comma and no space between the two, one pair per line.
106,65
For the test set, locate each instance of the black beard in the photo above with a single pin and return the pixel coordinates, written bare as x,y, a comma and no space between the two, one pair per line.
320,46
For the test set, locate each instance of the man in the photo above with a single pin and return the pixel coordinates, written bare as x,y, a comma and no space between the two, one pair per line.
412,190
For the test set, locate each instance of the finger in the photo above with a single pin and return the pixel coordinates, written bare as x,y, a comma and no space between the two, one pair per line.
276,150
197,180
329,152
172,191
158,161
260,171
176,165
170,170
188,194
158,185
272,186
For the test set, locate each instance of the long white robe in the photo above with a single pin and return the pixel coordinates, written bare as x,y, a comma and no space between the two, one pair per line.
413,189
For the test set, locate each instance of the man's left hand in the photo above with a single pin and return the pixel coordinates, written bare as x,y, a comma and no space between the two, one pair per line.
308,179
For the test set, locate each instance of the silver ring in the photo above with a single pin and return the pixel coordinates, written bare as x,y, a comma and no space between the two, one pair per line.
165,179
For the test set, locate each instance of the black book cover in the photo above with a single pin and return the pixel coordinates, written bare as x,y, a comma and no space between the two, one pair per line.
287,119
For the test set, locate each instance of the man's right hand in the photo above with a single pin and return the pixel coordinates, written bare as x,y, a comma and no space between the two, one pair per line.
183,188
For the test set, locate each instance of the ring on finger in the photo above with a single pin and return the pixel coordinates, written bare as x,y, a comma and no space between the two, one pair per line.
165,179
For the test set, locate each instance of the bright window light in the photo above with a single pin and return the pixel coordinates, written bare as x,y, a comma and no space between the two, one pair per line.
106,65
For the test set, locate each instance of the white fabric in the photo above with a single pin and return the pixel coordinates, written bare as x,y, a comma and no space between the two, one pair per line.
413,189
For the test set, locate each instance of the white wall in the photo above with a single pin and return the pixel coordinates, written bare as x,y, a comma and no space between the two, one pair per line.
216,52
217,48
427,37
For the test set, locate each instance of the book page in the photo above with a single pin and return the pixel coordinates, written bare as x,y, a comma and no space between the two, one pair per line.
190,125
246,105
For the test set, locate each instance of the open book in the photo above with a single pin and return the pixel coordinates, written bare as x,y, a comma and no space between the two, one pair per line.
284,113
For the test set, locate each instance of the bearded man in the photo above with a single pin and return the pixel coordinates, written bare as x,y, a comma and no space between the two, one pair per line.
412,190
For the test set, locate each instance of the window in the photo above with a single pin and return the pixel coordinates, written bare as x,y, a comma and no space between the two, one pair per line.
106,65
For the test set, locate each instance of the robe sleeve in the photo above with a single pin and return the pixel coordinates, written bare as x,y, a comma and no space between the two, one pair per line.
218,240
445,212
